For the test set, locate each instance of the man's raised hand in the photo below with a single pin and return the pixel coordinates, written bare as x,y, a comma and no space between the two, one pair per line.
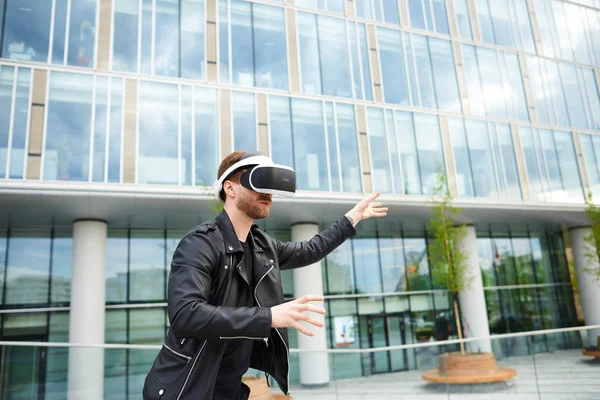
289,315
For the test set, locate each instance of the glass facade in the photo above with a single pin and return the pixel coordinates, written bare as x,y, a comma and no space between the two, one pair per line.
397,302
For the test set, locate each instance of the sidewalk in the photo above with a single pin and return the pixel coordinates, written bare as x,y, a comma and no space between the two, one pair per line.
560,375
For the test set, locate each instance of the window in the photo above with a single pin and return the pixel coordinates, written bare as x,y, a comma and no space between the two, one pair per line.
404,162
244,121
429,15
252,44
506,23
463,19
380,10
336,6
551,166
494,83
320,138
333,57
484,159
564,94
15,86
178,142
27,31
171,41
569,31
416,70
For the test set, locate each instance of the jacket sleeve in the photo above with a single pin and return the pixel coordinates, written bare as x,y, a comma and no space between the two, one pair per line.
190,313
301,254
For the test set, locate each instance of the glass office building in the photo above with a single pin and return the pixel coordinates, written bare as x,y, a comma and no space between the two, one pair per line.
116,113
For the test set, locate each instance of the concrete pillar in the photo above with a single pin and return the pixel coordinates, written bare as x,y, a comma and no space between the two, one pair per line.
472,300
314,367
86,320
589,287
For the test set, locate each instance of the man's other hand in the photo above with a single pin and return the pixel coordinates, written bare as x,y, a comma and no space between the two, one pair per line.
364,209
289,315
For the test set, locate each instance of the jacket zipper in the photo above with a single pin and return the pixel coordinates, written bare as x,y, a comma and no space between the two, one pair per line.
188,358
187,378
265,339
287,351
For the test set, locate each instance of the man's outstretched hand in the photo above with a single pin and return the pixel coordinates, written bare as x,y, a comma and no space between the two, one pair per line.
289,315
364,209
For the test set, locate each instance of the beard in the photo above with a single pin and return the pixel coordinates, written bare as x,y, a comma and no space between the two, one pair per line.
253,208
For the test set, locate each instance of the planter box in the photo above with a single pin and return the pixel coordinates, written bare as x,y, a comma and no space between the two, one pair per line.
457,368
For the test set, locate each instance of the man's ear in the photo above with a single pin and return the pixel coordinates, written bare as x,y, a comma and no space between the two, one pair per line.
228,188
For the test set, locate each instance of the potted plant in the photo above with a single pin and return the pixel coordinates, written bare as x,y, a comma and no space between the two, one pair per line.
449,267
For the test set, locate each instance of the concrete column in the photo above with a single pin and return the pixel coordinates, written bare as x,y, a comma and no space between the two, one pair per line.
589,287
314,367
472,300
86,321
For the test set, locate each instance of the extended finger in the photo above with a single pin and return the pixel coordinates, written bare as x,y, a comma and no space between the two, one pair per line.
303,317
309,297
311,308
375,205
301,329
379,209
372,197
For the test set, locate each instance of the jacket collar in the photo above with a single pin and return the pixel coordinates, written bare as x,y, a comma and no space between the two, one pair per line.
232,243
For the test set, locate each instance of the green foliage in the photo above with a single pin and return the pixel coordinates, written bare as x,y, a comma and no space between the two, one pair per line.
592,251
447,260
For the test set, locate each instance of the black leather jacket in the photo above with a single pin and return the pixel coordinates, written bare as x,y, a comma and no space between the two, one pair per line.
203,312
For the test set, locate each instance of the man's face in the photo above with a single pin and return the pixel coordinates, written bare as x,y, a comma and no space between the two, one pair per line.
255,205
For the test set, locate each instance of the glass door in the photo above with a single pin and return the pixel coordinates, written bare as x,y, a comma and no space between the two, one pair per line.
378,338
396,335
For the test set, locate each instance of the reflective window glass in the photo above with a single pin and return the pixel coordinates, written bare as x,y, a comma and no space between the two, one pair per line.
391,252
340,270
446,85
28,266
125,25
463,19
117,255
61,266
158,134
244,121
393,67
380,162
206,136
333,57
417,266
429,147
551,165
348,144
147,265
26,35
332,147
366,255
145,327
590,146
252,40
82,33
405,134
3,249
68,125
192,39
15,84
333,50
310,158
282,147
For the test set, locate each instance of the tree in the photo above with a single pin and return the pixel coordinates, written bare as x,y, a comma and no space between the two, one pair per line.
592,240
447,260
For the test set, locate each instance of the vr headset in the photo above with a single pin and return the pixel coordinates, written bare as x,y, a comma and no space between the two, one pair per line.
262,176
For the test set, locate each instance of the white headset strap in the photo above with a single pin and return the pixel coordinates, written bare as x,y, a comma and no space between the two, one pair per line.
254,160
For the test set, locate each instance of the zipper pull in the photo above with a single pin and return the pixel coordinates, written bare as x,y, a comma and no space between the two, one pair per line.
266,341
183,341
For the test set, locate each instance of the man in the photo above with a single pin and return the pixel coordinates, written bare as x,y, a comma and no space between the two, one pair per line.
225,298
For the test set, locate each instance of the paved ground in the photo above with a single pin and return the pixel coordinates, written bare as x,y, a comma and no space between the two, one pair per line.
560,375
